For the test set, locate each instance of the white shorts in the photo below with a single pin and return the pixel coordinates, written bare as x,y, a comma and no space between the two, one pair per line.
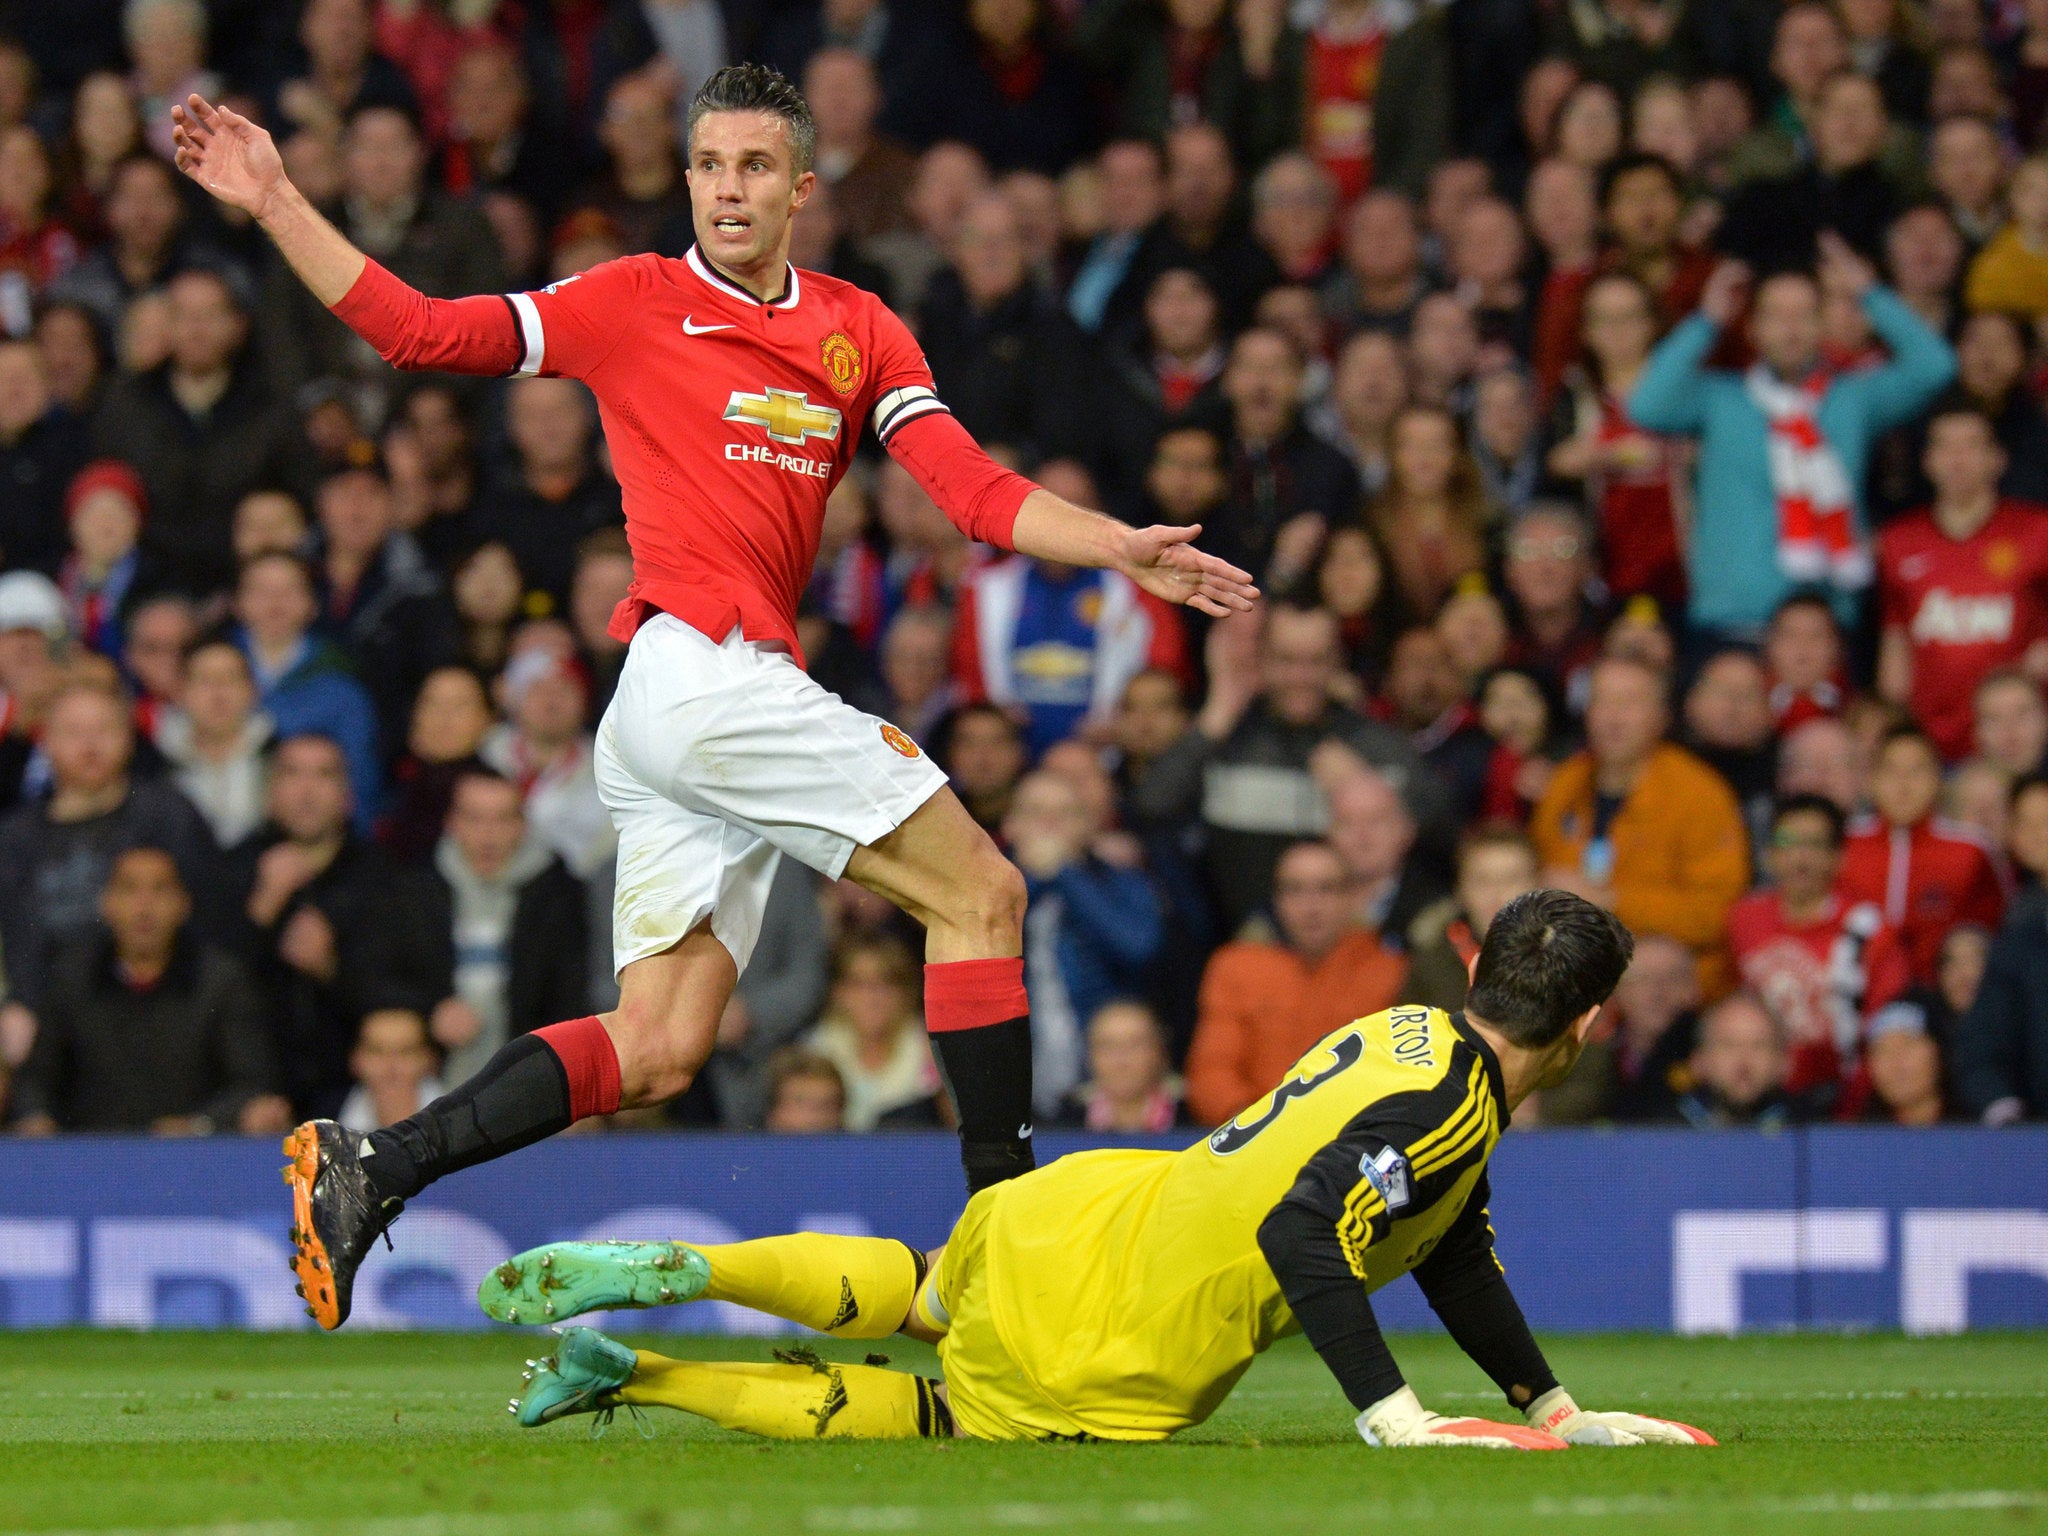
715,759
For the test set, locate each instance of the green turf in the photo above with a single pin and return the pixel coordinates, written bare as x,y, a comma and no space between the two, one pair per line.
384,1435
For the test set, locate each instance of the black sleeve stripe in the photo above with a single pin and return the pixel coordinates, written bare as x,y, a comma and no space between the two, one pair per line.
900,406
519,332
907,415
533,344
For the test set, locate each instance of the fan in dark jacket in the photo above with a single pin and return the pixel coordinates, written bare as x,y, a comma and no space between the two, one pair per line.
313,899
203,429
1004,356
495,928
56,851
2001,1046
144,1028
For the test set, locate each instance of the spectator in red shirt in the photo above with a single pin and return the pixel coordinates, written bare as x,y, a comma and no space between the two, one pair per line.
1821,963
1963,583
1803,649
1923,873
1642,209
1632,478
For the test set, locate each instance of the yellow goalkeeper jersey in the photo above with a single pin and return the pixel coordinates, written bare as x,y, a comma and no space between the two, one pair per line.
1121,1294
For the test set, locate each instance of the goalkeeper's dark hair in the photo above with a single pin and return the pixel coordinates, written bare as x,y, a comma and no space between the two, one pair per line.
1548,957
757,88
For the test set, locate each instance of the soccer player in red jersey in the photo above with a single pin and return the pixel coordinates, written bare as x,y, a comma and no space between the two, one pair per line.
1821,964
733,390
1924,873
1963,583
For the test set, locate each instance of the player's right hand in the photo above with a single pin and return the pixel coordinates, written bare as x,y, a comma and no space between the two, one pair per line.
1555,1412
225,153
1401,1420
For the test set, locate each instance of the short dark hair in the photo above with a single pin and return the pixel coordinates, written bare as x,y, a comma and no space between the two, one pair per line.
483,773
2026,784
1631,161
1496,833
757,88
1906,730
795,1061
1807,597
1548,957
1970,410
1814,805
292,558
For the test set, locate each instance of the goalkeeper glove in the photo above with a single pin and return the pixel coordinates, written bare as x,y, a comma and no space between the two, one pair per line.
1402,1420
1555,1413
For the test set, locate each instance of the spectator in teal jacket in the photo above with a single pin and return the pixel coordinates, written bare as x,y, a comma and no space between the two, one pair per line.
1776,509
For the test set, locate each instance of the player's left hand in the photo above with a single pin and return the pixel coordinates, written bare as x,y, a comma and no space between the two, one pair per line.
1164,561
1555,1413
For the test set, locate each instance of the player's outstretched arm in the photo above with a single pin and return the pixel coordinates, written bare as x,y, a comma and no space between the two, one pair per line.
1161,559
997,506
1328,1299
237,162
1469,1293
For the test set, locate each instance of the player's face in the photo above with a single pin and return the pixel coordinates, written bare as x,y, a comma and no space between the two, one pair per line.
744,189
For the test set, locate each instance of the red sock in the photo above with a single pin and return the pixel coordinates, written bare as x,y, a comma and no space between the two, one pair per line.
584,1047
969,994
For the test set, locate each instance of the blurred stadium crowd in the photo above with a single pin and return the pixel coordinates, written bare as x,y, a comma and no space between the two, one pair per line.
1715,594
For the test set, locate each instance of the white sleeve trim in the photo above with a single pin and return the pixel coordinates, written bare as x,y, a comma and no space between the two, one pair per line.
535,339
899,406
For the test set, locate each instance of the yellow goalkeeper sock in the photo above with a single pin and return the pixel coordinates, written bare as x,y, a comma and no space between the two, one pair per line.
802,1398
850,1287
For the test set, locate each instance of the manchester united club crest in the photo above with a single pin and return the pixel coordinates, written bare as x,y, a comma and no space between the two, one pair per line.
842,362
899,743
2002,560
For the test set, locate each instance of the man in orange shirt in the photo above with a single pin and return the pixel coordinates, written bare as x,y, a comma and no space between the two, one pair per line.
1644,828
1263,1004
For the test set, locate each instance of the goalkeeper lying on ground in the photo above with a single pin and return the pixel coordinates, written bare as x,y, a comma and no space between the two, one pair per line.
1119,1295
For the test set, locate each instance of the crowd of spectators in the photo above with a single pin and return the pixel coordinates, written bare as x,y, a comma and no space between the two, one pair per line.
1631,409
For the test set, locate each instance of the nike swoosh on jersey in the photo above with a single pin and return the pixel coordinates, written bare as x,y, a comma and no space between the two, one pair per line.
692,329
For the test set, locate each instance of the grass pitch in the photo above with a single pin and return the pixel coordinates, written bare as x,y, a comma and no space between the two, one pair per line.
394,1435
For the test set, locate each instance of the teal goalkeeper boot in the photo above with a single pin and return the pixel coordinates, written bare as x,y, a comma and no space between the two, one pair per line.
560,1280
579,1377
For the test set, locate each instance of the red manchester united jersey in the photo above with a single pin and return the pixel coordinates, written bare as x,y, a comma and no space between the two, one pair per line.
730,418
1966,606
1821,980
1924,880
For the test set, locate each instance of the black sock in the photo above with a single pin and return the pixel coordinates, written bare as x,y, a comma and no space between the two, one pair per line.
988,1073
518,1097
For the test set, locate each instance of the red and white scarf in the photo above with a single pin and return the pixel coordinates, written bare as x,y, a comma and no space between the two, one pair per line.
1817,536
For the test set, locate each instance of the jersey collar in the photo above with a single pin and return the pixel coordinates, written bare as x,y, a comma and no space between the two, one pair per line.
792,290
1487,1059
